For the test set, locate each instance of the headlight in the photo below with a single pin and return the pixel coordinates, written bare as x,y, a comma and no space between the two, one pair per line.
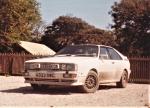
27,66
32,66
68,67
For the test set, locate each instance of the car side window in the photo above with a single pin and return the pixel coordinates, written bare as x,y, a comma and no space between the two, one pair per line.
104,53
113,54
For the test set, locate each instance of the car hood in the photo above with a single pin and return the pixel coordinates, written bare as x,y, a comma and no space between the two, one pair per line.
63,59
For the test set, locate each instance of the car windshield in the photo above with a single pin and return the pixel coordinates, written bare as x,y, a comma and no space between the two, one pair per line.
79,50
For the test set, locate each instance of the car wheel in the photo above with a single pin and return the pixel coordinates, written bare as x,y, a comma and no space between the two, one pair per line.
123,81
91,83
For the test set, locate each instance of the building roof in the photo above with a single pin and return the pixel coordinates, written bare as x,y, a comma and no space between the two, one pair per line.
36,49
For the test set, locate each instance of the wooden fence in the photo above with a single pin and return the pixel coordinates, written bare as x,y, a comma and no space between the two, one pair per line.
13,64
140,69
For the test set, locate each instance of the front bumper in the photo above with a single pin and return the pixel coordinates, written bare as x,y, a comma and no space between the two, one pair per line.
52,78
53,82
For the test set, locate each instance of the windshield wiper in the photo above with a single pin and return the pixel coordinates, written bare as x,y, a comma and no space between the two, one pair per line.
89,55
84,55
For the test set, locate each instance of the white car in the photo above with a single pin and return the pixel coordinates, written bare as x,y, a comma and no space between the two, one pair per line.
86,66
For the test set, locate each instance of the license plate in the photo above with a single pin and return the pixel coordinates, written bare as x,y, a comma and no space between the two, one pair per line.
45,75
49,75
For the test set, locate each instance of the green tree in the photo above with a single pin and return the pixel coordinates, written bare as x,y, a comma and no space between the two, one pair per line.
18,18
132,26
66,30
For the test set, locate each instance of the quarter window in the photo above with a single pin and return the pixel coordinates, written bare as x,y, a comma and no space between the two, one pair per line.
113,54
104,53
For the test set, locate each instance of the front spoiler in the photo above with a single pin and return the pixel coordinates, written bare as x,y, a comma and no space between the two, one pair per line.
75,83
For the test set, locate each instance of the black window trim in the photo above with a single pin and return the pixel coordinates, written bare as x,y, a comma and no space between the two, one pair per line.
111,56
107,52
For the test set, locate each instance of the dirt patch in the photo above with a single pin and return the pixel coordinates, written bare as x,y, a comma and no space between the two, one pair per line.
14,92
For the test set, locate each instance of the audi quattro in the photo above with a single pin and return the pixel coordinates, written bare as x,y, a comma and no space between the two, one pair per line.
86,66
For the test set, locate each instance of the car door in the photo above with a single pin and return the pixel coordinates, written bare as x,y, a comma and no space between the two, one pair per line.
107,68
116,59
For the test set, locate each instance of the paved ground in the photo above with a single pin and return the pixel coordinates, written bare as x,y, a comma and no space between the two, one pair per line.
14,92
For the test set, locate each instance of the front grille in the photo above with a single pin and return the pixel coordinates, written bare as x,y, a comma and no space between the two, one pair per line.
42,66
48,66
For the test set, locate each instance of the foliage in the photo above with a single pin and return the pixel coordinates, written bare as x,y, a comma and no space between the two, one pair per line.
67,30
132,26
18,18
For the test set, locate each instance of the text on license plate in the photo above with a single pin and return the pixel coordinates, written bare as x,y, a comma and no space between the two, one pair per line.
45,75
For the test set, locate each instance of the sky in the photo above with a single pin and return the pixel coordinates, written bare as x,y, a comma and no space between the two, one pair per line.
94,12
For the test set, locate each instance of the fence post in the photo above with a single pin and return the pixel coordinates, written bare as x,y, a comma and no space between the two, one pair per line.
0,68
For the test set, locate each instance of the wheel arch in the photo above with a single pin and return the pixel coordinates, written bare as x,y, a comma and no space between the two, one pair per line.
93,69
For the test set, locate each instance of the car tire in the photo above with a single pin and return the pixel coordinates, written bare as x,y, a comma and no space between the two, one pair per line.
91,83
123,80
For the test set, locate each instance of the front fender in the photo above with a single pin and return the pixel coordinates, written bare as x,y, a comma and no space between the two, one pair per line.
84,68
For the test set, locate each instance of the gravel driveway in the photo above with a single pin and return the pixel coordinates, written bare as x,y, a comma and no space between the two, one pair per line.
14,92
